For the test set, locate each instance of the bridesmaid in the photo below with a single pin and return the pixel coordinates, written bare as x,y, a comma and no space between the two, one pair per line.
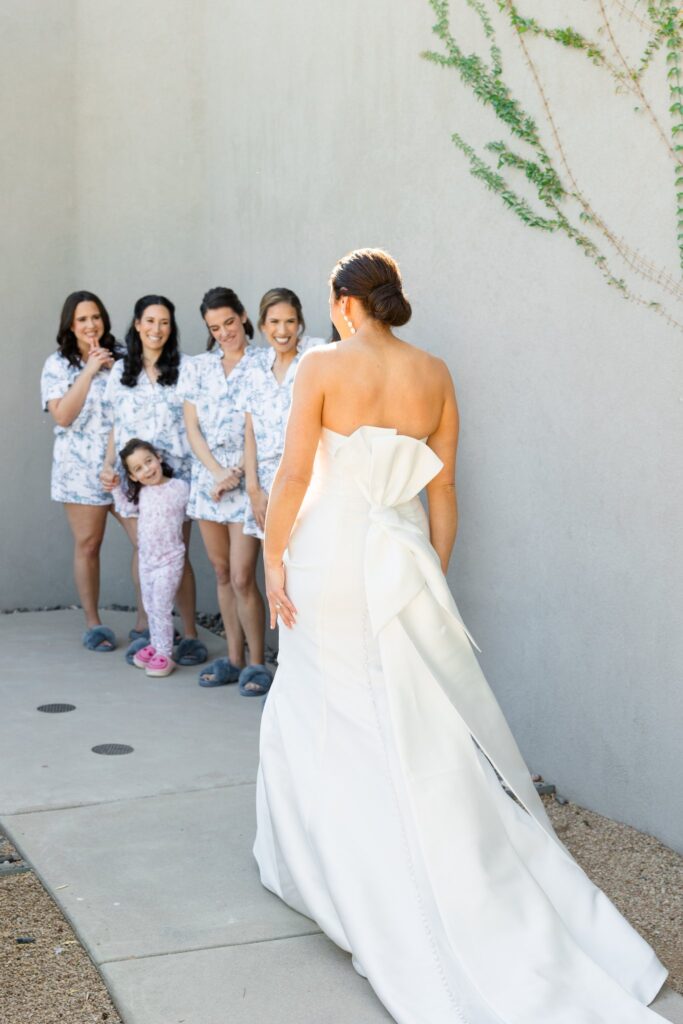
72,386
143,395
268,398
212,385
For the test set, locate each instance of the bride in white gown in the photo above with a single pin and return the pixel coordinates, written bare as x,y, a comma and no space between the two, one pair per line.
378,816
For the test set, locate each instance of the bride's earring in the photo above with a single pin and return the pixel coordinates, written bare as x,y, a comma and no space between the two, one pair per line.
349,324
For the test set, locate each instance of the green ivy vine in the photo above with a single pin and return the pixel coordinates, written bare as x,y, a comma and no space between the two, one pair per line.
560,204
669,21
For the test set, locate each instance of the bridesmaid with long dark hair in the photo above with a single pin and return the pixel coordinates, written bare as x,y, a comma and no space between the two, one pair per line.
145,403
213,386
72,385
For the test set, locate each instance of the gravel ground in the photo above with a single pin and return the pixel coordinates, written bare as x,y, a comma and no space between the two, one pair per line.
50,980
642,877
53,981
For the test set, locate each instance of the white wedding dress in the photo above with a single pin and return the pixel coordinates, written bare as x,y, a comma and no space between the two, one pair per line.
380,818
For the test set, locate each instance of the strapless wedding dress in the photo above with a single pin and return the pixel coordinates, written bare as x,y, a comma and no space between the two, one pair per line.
380,818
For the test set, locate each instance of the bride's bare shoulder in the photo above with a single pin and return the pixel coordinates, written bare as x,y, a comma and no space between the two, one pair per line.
318,355
315,366
317,362
431,365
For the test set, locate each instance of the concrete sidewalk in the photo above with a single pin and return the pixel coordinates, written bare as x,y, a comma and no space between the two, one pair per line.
149,853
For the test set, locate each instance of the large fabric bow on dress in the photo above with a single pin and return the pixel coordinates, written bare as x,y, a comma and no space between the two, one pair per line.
409,600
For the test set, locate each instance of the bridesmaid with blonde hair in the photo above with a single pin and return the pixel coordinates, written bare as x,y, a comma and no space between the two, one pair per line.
268,396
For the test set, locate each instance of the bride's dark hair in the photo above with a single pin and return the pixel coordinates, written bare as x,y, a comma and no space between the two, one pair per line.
372,276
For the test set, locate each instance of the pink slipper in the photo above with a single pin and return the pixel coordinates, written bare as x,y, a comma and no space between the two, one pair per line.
160,665
142,658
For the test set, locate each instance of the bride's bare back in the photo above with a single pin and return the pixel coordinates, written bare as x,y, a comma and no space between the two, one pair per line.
382,382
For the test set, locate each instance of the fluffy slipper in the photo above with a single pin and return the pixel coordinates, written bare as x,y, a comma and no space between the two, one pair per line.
257,678
142,658
191,651
133,649
100,639
160,665
138,634
219,673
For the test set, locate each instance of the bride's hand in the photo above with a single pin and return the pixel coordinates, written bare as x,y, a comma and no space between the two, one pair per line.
278,602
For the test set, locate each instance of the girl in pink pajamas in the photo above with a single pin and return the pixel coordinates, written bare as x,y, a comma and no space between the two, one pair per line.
160,499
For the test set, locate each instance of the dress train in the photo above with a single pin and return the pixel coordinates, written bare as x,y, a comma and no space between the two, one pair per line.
379,811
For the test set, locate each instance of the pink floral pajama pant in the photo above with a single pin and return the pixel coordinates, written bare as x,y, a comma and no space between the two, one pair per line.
159,584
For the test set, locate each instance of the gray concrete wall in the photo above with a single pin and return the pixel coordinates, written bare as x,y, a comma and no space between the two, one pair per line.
252,143
39,232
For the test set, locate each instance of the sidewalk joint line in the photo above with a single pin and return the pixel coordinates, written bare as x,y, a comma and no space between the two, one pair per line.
125,799
199,949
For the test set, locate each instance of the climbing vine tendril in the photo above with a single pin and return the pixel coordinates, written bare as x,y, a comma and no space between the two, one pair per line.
558,203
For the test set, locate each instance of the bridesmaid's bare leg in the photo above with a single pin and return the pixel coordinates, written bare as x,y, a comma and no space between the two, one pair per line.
87,523
244,552
217,543
186,598
130,525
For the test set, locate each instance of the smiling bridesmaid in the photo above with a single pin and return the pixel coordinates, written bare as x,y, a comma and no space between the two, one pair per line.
145,403
72,385
268,396
212,385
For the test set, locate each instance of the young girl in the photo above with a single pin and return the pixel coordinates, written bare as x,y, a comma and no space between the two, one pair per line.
159,500
268,396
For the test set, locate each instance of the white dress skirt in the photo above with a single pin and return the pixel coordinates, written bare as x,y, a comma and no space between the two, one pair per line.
380,818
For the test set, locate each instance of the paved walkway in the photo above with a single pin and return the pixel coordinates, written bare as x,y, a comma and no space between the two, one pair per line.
149,854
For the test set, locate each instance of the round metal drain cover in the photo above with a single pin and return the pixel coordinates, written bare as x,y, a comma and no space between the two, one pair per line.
56,709
112,748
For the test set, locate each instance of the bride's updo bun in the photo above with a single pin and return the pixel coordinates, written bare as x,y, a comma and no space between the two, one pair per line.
372,276
388,304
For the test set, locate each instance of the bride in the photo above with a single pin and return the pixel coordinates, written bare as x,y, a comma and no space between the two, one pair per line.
380,814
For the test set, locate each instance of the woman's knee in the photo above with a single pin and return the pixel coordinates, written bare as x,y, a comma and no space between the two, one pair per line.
89,545
221,568
243,579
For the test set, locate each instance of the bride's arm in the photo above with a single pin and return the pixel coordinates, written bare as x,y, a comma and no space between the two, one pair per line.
441,497
291,480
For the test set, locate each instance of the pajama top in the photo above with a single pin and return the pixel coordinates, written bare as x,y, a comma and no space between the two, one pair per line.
219,401
161,550
161,511
154,413
268,403
79,449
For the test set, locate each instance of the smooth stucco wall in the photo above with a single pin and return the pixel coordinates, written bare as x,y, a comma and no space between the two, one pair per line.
252,144
38,216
